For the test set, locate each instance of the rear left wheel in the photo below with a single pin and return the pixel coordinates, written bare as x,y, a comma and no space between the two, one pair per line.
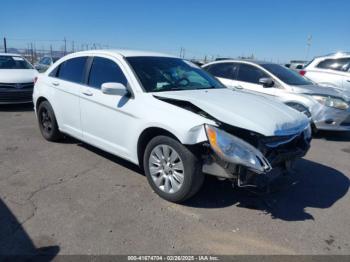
47,122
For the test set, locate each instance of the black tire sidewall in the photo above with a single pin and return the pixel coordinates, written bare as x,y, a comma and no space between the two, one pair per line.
192,170
54,135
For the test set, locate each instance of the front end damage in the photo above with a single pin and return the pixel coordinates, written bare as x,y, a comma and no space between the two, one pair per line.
249,159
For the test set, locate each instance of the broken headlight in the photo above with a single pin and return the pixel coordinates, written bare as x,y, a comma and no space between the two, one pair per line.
234,150
331,102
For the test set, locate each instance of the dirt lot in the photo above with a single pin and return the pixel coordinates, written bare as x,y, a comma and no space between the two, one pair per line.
70,198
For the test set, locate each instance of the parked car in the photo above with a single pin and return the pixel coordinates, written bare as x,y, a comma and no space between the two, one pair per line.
45,62
327,107
16,79
331,70
170,117
297,65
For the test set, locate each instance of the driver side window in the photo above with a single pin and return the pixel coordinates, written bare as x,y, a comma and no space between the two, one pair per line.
104,70
250,74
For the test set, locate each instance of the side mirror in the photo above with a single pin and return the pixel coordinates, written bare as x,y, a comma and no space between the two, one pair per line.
114,89
266,82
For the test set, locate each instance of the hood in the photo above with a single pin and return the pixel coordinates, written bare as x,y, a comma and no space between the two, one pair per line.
323,90
248,111
17,75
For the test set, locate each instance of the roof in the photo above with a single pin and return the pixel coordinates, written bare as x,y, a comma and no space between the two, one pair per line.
335,55
9,54
125,52
259,62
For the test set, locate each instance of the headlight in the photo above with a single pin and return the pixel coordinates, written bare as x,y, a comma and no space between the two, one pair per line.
332,102
300,108
234,150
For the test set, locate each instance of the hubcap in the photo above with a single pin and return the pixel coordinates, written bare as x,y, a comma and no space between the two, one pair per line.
166,168
46,122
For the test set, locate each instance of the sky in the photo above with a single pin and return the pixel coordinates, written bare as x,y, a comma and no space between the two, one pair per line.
270,29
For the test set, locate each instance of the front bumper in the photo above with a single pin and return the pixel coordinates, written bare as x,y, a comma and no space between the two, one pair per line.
16,96
280,159
332,119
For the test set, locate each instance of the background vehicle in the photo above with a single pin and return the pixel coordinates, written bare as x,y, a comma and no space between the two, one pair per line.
45,62
331,70
327,107
16,79
170,117
297,65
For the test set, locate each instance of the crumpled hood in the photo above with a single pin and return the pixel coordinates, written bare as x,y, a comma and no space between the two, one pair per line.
17,75
248,111
323,90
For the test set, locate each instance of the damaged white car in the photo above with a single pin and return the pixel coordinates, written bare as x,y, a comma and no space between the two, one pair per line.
169,117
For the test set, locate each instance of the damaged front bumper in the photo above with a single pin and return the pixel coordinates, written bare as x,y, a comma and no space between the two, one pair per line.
332,119
275,157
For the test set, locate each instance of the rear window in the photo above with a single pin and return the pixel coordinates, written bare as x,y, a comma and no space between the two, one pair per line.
14,62
72,70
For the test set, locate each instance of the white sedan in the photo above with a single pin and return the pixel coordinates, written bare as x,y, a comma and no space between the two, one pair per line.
16,79
169,117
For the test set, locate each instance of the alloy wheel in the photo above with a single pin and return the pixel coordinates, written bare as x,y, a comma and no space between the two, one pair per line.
166,168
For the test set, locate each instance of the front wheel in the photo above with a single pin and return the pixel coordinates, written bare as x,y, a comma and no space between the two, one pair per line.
172,170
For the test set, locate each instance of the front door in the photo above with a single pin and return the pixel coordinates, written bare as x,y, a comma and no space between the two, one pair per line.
105,118
248,78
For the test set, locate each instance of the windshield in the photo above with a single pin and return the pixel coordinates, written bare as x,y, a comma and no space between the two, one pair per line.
286,75
14,62
158,74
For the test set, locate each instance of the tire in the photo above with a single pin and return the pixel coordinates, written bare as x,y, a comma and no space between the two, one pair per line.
47,122
192,175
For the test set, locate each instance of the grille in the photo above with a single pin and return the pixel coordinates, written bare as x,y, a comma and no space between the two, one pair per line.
275,141
284,148
16,85
17,96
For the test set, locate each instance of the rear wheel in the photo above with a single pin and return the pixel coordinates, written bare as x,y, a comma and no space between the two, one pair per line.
47,122
172,170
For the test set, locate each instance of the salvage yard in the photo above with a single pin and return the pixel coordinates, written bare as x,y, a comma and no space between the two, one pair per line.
71,198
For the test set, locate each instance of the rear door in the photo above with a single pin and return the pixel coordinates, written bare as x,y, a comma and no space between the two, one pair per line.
66,81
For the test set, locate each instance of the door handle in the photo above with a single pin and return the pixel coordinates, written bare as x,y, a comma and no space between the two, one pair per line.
56,83
87,93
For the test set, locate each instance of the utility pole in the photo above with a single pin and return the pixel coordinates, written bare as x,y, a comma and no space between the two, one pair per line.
65,46
5,45
51,50
308,44
73,46
32,52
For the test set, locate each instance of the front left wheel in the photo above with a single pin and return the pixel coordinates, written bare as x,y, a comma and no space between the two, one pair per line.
172,170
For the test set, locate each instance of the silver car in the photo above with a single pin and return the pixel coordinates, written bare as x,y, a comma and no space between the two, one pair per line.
327,108
44,63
